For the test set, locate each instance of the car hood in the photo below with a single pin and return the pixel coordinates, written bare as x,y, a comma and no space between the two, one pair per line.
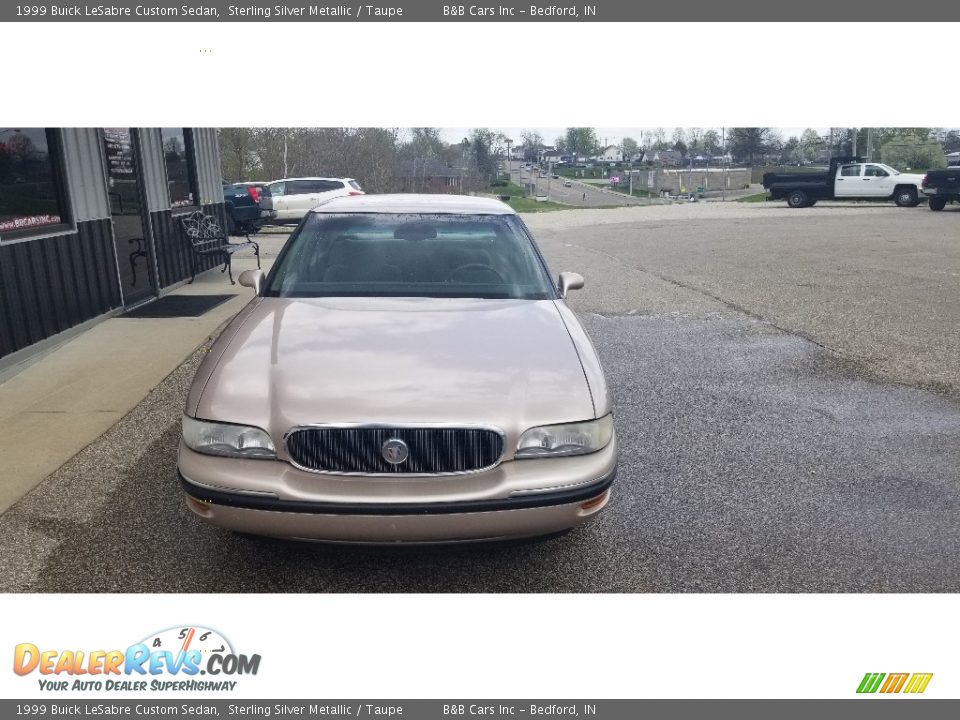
287,362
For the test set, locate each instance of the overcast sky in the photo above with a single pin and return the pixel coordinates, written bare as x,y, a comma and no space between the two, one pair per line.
608,136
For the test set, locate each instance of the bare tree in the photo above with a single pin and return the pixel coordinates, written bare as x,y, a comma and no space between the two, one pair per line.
237,153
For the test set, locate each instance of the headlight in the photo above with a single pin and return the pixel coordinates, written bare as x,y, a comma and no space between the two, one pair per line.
569,439
213,438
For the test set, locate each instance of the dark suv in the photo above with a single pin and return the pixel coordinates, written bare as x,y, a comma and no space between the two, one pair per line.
242,203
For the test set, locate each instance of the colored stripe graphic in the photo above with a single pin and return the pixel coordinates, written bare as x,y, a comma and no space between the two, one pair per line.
870,682
918,683
894,682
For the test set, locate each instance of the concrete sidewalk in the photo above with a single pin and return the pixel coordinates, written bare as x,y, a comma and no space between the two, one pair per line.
59,404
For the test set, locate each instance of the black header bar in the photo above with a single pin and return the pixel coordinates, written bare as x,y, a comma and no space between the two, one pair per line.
740,11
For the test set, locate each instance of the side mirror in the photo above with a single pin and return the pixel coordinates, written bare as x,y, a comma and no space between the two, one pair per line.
568,281
252,279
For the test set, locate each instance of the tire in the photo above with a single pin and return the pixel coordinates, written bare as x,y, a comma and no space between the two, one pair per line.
797,199
231,225
938,203
811,203
906,197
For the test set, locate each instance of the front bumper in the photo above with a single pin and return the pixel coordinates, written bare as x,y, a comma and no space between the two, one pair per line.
510,518
517,499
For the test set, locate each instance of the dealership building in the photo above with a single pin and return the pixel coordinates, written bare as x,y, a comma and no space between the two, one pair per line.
88,224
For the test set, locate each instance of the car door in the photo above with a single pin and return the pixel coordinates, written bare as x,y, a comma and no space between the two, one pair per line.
877,181
278,199
847,182
303,196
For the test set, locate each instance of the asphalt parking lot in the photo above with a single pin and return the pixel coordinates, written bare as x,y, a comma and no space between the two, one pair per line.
787,393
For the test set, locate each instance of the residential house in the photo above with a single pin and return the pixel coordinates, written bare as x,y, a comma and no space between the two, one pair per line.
430,176
611,153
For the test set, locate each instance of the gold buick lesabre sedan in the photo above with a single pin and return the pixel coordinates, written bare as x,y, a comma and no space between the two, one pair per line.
407,372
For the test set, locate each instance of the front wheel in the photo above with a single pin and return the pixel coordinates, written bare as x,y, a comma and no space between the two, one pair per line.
938,203
906,197
797,199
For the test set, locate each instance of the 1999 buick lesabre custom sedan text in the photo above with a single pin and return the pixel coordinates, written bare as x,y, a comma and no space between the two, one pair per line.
407,372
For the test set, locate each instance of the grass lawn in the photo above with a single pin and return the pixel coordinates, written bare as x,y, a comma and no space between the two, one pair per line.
759,197
637,192
525,204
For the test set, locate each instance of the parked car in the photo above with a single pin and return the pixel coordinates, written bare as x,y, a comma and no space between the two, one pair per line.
407,372
293,198
848,178
567,183
941,187
261,193
243,211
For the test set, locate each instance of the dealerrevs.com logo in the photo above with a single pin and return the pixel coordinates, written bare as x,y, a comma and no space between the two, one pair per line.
892,683
172,659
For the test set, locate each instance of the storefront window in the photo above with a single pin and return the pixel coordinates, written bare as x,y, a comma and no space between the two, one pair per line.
181,171
31,189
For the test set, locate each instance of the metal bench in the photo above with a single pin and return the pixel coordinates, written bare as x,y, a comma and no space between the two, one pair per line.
206,238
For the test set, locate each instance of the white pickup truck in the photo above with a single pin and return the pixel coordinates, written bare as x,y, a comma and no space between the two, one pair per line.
847,179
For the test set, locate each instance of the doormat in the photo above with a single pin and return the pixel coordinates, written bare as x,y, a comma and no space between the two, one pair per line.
172,306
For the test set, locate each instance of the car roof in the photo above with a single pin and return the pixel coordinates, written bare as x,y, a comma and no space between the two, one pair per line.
311,178
416,203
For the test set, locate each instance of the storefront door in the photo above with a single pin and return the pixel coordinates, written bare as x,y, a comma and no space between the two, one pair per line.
135,257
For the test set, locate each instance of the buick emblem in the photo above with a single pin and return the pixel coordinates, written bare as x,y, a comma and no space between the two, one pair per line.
395,451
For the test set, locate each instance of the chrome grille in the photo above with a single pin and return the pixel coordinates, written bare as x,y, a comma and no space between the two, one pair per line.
359,449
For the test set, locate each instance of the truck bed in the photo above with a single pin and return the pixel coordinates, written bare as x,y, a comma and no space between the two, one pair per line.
816,184
944,182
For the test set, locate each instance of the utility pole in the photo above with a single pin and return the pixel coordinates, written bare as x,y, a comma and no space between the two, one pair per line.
285,152
723,164
869,144
853,144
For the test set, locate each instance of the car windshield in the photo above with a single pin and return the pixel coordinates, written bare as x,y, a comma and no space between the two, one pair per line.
410,255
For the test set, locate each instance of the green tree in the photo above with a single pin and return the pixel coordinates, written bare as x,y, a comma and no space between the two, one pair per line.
791,151
749,144
711,142
483,142
630,148
917,152
531,141
811,145
582,141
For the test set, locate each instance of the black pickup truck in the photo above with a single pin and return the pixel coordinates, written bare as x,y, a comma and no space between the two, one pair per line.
848,178
942,186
